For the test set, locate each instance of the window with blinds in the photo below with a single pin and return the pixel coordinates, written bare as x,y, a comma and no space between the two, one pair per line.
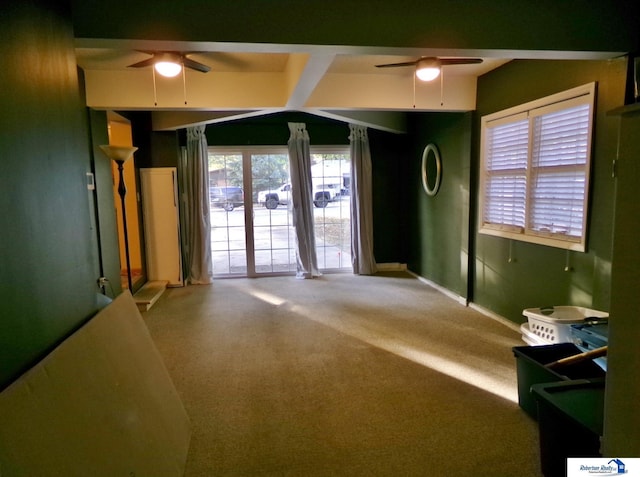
535,162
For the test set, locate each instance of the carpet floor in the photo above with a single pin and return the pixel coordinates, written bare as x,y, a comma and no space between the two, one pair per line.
343,375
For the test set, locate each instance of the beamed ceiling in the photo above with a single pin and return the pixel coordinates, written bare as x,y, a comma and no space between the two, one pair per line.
255,79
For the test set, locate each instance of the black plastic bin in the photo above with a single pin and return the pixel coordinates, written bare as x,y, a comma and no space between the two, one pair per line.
570,421
530,361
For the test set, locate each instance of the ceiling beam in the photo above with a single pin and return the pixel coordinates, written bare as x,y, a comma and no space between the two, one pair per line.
390,121
134,89
308,78
173,120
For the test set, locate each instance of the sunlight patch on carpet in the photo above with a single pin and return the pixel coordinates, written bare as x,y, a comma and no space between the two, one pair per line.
494,382
267,297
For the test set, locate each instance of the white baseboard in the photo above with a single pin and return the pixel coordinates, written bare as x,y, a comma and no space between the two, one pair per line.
495,316
445,291
391,267
463,301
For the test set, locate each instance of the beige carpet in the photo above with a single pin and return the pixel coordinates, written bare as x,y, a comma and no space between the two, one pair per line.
343,375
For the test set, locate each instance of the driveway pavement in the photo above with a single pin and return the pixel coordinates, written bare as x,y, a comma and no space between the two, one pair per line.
274,239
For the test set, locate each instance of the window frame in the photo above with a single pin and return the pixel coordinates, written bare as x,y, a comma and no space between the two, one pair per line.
564,100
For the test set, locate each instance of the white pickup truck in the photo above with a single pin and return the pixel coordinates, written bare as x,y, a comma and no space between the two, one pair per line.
273,197
322,195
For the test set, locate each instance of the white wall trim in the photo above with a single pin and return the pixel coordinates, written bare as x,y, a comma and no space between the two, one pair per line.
495,316
463,301
460,299
392,267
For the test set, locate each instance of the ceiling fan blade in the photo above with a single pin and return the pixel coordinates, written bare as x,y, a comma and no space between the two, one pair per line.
195,65
394,65
171,56
143,63
460,61
443,62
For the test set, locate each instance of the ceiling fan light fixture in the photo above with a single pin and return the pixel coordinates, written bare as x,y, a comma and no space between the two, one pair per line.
168,69
428,69
428,74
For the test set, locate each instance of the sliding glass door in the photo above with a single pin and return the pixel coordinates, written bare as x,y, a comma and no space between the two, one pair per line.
252,232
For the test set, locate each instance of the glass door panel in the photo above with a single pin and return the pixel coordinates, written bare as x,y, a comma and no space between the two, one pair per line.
226,195
273,233
331,177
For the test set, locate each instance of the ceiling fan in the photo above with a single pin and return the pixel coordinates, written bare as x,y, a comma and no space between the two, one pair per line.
428,68
170,63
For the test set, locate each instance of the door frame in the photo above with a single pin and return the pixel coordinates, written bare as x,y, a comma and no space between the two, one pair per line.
247,153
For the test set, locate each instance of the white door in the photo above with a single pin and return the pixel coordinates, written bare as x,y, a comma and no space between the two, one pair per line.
161,224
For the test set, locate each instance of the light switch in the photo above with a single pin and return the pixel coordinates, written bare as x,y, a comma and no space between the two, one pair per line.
91,184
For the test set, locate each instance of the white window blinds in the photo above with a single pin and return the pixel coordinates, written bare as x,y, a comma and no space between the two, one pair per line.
506,174
535,170
559,171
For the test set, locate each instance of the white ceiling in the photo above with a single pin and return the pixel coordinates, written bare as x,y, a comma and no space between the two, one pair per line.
255,79
253,62
245,62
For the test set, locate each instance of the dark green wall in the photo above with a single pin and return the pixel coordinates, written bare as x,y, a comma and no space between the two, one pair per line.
155,148
165,149
390,199
272,130
49,269
439,224
580,25
536,275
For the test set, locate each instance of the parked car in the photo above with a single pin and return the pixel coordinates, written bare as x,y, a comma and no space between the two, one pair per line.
325,193
322,195
226,197
273,197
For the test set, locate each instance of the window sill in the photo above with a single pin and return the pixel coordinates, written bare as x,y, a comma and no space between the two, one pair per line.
535,239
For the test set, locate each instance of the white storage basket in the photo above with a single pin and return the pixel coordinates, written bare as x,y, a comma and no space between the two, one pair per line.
530,338
553,324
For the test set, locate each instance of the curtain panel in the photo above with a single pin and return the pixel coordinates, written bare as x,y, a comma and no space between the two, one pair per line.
301,199
362,257
199,267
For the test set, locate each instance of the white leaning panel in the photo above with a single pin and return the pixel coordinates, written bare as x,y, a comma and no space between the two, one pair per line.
101,404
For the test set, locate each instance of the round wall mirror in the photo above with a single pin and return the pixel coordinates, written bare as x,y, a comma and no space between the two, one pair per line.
431,169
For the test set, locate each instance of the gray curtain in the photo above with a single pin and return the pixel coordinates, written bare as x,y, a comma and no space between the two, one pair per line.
301,199
199,268
364,262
